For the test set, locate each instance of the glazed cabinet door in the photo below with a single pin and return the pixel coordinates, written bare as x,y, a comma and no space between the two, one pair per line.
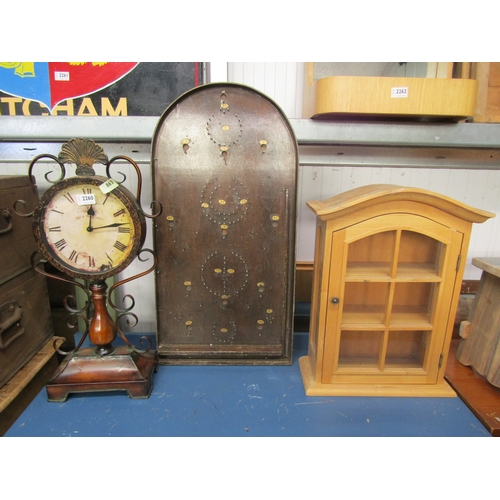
390,295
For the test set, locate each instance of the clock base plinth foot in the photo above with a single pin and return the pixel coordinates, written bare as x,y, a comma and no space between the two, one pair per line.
85,371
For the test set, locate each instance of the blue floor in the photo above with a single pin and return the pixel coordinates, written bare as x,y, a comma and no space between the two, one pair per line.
242,401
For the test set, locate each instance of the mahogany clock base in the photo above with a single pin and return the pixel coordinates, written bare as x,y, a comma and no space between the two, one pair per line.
123,369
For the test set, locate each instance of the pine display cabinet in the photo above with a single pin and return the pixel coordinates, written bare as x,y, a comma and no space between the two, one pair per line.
388,267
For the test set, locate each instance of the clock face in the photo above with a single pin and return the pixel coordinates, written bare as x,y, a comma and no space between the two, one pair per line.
87,232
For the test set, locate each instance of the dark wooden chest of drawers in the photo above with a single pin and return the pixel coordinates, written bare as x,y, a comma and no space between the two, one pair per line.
25,318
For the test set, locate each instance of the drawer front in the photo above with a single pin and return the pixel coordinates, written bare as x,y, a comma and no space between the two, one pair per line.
16,237
25,321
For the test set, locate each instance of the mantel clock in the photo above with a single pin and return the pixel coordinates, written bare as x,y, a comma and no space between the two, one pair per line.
91,228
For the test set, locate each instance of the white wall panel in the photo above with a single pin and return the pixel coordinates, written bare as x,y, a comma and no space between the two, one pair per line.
218,72
281,81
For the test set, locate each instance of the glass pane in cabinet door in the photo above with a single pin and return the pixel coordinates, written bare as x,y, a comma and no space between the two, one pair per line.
413,304
419,255
372,255
360,348
406,349
365,303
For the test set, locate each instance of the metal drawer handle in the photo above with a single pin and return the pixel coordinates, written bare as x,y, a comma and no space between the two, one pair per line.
7,215
10,322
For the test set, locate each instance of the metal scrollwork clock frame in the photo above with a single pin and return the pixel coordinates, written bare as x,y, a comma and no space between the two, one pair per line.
104,367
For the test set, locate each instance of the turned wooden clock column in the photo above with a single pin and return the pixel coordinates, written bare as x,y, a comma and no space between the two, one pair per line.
388,267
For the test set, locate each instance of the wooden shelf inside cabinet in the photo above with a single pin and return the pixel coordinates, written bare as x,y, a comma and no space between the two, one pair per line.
389,262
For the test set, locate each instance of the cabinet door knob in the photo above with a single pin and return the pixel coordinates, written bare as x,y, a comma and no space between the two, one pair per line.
335,300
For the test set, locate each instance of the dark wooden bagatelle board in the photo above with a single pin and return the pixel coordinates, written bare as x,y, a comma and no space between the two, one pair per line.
224,160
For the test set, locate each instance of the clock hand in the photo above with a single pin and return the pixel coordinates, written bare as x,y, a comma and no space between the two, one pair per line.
90,213
116,224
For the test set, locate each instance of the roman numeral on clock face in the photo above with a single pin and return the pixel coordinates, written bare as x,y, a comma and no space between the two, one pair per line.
120,212
120,246
60,244
69,197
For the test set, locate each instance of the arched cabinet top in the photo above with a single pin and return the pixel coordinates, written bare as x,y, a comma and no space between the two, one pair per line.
379,194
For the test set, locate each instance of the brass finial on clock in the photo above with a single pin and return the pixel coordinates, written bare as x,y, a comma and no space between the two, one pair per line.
84,153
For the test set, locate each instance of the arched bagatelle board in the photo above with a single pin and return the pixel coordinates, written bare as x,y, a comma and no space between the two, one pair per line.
224,161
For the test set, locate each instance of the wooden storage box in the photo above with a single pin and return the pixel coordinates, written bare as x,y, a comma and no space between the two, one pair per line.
432,99
25,319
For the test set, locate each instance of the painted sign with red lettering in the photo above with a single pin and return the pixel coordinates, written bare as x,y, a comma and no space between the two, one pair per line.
93,88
